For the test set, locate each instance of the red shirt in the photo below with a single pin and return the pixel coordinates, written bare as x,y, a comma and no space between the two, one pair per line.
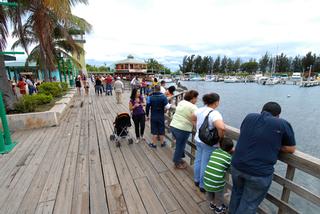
108,80
22,86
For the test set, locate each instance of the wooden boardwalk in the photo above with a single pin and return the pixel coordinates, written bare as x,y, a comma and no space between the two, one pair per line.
74,168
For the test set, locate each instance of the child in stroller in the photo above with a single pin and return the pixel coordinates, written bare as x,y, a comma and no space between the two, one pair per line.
121,125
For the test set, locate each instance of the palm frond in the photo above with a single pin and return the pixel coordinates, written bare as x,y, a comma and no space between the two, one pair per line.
68,55
78,23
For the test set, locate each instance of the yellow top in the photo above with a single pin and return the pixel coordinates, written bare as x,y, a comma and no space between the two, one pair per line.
182,116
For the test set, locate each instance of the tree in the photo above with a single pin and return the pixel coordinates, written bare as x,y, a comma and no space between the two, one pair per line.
282,63
206,65
216,65
62,43
237,64
157,67
250,67
153,65
197,64
296,65
308,60
43,18
5,87
103,69
190,63
230,65
223,65
91,68
316,66
183,66
264,62
271,64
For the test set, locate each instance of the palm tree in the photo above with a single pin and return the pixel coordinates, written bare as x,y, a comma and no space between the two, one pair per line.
5,86
42,16
62,43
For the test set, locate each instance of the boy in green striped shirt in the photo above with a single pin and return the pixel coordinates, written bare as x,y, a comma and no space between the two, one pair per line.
214,176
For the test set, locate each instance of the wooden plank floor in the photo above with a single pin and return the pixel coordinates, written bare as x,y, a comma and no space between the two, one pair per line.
75,168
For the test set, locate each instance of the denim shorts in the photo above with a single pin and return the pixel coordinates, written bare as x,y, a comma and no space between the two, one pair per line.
157,127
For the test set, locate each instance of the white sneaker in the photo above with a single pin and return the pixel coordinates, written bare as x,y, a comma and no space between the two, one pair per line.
138,140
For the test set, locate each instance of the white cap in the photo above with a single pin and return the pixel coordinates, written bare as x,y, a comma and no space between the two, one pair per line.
118,78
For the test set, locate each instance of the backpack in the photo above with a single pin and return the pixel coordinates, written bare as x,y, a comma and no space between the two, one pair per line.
207,136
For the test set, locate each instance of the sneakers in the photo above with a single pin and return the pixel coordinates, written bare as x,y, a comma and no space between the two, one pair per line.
197,183
221,210
181,165
138,140
202,190
143,139
212,206
152,145
163,144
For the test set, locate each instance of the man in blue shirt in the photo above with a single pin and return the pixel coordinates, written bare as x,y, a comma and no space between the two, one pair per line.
262,137
158,103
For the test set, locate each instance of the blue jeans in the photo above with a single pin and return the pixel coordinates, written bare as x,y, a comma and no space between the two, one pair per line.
247,192
31,89
200,163
181,141
108,89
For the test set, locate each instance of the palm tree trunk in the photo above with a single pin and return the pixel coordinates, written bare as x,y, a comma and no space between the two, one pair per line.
43,63
5,87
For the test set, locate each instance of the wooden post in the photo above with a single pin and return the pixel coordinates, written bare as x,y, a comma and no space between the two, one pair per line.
193,151
285,191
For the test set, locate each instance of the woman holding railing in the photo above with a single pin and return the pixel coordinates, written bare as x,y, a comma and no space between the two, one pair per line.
181,126
204,151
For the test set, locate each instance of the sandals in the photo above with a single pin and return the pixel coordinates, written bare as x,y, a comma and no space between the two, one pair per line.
181,165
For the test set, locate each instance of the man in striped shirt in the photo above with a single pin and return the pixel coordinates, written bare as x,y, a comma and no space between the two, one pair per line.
214,176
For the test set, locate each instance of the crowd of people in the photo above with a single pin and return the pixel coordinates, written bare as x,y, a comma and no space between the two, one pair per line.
26,85
262,137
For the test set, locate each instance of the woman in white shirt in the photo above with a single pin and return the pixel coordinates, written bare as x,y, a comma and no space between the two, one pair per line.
204,151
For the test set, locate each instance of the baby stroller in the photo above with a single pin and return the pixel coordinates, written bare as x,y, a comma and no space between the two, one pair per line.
120,131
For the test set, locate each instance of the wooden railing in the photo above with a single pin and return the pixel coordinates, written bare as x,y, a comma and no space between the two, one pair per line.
297,161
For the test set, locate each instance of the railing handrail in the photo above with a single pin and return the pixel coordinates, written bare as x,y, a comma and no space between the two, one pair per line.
297,160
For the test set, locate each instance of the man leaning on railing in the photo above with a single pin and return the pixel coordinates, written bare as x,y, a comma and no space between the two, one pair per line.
262,137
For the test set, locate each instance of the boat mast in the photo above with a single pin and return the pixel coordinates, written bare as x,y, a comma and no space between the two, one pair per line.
309,73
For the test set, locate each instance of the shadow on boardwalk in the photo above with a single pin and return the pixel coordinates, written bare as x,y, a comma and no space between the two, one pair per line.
74,168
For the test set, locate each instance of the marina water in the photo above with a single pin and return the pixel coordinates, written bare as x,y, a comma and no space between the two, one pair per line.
300,106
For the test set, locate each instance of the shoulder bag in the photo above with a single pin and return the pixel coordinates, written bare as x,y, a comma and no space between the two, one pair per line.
207,136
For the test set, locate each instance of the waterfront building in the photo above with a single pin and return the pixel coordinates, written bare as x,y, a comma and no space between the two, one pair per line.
80,40
130,66
19,69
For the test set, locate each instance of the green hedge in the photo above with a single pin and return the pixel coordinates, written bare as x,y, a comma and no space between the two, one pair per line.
55,89
64,86
28,103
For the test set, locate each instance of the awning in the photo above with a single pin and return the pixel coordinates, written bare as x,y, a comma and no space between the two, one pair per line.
9,58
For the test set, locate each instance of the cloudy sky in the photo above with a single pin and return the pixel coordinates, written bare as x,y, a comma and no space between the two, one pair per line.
169,29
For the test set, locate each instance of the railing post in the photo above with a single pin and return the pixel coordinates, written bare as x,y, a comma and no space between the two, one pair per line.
193,151
285,191
6,144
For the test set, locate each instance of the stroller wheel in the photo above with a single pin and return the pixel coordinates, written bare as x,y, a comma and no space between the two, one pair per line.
112,137
130,141
117,144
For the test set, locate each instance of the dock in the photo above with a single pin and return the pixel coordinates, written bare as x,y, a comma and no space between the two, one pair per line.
75,168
